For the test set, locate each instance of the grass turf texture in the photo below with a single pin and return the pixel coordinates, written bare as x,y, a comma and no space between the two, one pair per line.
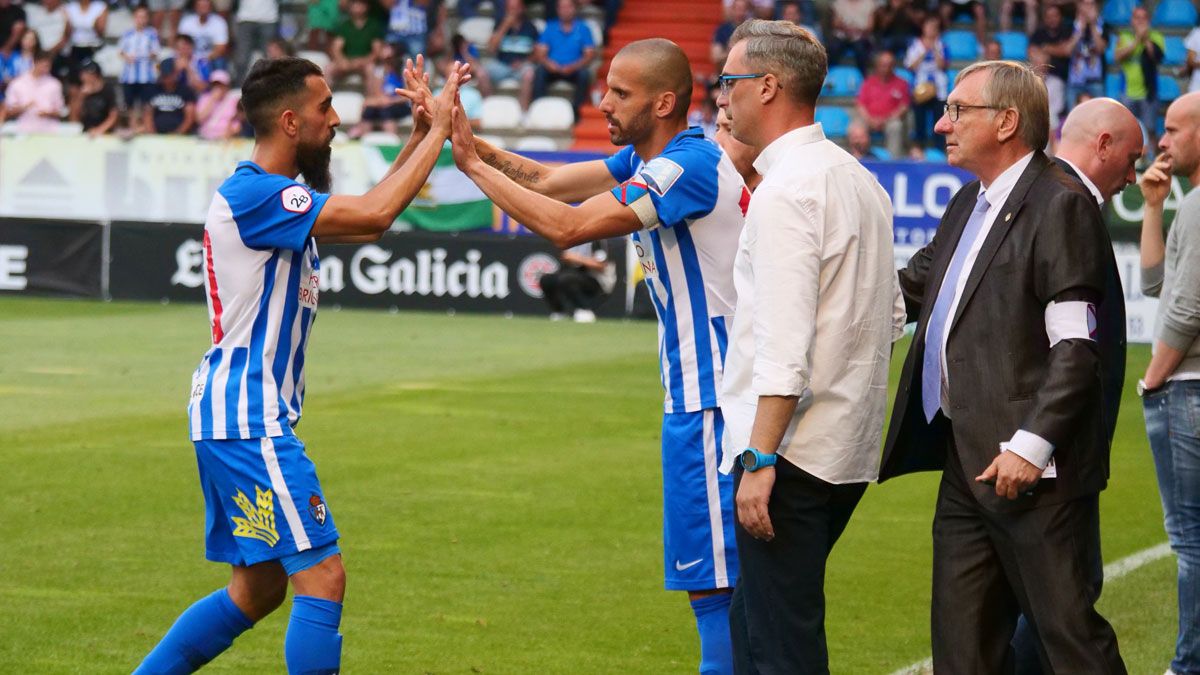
496,484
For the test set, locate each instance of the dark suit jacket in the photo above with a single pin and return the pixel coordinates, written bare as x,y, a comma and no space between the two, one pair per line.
1110,331
1048,243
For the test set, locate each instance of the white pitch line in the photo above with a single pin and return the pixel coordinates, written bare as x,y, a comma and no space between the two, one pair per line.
1112,571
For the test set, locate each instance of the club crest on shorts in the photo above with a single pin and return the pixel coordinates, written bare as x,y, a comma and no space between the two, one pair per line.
316,508
259,522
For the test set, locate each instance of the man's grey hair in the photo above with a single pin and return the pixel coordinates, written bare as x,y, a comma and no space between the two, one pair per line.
787,51
1015,85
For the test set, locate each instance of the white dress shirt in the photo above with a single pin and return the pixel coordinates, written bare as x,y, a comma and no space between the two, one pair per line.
1031,447
816,284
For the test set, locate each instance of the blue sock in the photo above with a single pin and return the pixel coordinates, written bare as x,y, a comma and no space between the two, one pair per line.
312,645
203,631
712,619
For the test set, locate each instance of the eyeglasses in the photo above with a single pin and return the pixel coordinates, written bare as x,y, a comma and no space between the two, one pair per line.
954,110
726,81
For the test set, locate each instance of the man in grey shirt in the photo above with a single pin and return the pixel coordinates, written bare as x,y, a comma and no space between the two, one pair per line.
1170,389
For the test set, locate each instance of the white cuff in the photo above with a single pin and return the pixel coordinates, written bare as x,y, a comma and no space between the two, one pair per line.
1030,447
1070,320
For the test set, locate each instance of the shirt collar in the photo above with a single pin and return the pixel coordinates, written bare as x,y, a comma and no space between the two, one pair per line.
997,193
1087,182
795,138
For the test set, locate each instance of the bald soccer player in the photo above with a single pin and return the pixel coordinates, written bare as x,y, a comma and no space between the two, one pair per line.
1101,144
683,202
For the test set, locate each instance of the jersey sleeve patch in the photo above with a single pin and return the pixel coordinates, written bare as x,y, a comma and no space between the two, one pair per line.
660,174
296,199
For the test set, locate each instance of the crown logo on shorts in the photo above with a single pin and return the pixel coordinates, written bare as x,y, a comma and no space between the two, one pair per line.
259,522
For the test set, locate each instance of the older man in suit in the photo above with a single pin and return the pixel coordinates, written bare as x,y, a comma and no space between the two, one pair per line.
1100,147
1002,389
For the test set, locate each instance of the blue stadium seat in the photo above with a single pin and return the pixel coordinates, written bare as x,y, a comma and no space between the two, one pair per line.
906,75
833,120
1174,14
1118,12
961,45
934,155
1110,54
880,153
1168,88
1114,86
1013,45
842,81
950,77
1175,53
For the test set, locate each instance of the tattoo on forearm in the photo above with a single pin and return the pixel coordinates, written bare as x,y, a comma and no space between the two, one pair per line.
514,173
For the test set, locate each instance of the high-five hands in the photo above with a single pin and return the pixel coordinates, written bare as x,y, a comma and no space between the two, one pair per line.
462,140
430,111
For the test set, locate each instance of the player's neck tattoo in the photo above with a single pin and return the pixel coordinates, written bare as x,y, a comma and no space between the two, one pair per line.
514,173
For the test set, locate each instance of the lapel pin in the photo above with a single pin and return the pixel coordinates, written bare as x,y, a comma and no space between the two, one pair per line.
1007,217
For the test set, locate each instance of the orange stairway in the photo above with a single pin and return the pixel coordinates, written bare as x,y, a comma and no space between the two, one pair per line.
688,23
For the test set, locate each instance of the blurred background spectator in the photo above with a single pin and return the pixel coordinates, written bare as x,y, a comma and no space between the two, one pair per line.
512,43
408,25
164,15
356,43
255,25
86,20
209,32
187,65
1089,41
897,22
565,50
94,104
586,276
1140,51
851,22
1026,10
927,58
217,109
883,104
12,27
383,108
35,98
952,10
139,49
1053,39
324,18
735,13
172,108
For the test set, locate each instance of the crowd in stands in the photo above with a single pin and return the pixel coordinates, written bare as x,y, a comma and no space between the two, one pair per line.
173,66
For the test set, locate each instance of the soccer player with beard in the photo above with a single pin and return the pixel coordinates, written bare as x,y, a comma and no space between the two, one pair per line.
683,202
266,513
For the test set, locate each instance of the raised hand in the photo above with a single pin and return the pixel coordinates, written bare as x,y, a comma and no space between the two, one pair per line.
416,90
462,140
1156,182
444,103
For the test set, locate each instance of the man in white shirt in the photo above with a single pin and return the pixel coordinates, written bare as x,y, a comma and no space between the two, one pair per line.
210,32
806,375
1002,389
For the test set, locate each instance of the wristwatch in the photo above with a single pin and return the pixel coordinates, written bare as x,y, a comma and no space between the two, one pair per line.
752,460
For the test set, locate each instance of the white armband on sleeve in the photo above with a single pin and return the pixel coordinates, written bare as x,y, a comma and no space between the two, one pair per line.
1033,449
1070,320
644,208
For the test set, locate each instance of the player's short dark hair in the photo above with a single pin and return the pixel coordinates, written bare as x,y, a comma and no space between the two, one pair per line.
271,86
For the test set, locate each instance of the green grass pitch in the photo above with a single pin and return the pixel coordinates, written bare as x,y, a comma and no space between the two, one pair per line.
496,484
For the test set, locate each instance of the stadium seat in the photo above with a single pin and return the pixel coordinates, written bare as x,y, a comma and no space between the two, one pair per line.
1175,53
380,138
880,153
906,75
1118,12
1168,88
477,29
317,57
536,144
1013,45
349,106
119,21
501,112
961,45
833,120
842,81
1114,85
550,113
1174,14
934,155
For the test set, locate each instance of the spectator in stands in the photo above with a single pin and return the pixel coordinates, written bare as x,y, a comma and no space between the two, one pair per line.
217,109
277,48
883,103
54,32
383,108
86,19
1056,95
408,26
584,278
1089,39
139,50
1028,10
852,22
512,46
468,94
164,15
1140,51
897,22
463,51
992,50
705,116
952,10
735,14
927,58
858,141
801,13
1053,38
94,104
564,53
172,108
356,43
35,98
12,27
255,24
21,60
210,32
324,18
760,9
188,67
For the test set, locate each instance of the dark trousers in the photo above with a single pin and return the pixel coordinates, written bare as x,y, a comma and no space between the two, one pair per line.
582,79
777,616
989,567
569,289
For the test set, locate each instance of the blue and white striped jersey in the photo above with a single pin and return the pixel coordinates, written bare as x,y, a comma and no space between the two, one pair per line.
261,278
686,253
143,46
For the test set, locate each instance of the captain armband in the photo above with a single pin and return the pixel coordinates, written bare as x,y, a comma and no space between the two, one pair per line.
1072,320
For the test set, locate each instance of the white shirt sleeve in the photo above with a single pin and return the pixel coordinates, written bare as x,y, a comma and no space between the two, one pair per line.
1031,447
220,30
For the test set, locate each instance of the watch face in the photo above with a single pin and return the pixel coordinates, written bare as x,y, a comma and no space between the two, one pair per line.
748,460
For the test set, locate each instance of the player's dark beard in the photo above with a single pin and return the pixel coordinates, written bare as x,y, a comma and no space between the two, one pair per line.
635,129
313,161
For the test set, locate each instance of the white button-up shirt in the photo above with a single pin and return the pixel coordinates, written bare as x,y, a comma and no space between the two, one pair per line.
816,288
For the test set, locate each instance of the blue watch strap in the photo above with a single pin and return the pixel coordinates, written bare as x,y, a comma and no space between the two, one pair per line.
761,459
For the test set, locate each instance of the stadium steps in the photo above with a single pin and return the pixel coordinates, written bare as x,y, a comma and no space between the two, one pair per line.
688,23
